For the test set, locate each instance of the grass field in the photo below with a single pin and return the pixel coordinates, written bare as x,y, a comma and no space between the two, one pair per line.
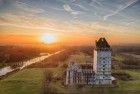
27,81
124,87
118,57
133,55
133,85
30,81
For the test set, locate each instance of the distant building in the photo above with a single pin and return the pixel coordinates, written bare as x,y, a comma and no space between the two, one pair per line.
96,73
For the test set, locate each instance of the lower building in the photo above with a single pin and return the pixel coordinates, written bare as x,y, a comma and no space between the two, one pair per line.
79,74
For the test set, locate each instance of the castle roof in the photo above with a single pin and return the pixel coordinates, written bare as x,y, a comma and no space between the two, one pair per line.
102,44
86,66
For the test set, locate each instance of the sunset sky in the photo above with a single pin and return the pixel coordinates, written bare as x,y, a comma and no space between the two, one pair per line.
71,21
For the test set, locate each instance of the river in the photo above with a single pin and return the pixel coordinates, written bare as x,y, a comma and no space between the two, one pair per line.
7,69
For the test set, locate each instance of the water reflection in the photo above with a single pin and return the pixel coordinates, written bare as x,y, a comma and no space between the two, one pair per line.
5,70
21,65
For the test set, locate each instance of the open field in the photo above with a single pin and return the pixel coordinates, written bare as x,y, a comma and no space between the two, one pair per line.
57,86
133,85
31,81
133,55
27,81
128,87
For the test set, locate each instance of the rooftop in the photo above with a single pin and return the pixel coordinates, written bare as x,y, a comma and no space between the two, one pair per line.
102,44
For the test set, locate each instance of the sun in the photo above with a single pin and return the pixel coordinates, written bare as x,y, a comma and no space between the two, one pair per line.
48,38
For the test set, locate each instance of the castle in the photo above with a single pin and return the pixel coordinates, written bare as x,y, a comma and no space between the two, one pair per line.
96,73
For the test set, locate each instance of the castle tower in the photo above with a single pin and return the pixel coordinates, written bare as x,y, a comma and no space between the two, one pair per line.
102,63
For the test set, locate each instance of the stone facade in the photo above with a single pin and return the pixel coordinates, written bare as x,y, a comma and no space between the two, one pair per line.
79,74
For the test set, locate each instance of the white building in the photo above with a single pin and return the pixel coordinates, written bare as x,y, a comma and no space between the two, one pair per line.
96,73
102,62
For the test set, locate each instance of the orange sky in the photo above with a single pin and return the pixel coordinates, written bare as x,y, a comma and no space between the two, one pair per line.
77,33
66,38
74,22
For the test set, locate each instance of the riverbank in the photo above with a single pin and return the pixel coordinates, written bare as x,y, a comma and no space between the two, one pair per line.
26,64
10,73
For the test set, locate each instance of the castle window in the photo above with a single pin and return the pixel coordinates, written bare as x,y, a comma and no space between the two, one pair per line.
103,58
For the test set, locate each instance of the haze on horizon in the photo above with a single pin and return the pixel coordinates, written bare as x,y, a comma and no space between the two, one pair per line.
72,21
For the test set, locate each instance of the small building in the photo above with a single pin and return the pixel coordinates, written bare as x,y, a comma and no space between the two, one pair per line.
96,73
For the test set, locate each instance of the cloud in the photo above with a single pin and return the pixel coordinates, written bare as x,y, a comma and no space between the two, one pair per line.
26,16
25,26
97,2
70,10
1,2
25,21
121,8
82,7
67,8
79,27
28,8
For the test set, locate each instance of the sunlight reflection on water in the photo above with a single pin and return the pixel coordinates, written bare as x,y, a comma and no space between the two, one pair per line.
7,69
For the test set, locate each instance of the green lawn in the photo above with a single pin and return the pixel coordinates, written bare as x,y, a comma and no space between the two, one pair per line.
133,85
27,81
118,57
30,81
125,87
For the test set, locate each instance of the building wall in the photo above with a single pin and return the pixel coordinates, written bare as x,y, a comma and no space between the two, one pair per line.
95,61
102,62
67,77
102,67
103,82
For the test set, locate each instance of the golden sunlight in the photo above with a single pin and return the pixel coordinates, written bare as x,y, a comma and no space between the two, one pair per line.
48,38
